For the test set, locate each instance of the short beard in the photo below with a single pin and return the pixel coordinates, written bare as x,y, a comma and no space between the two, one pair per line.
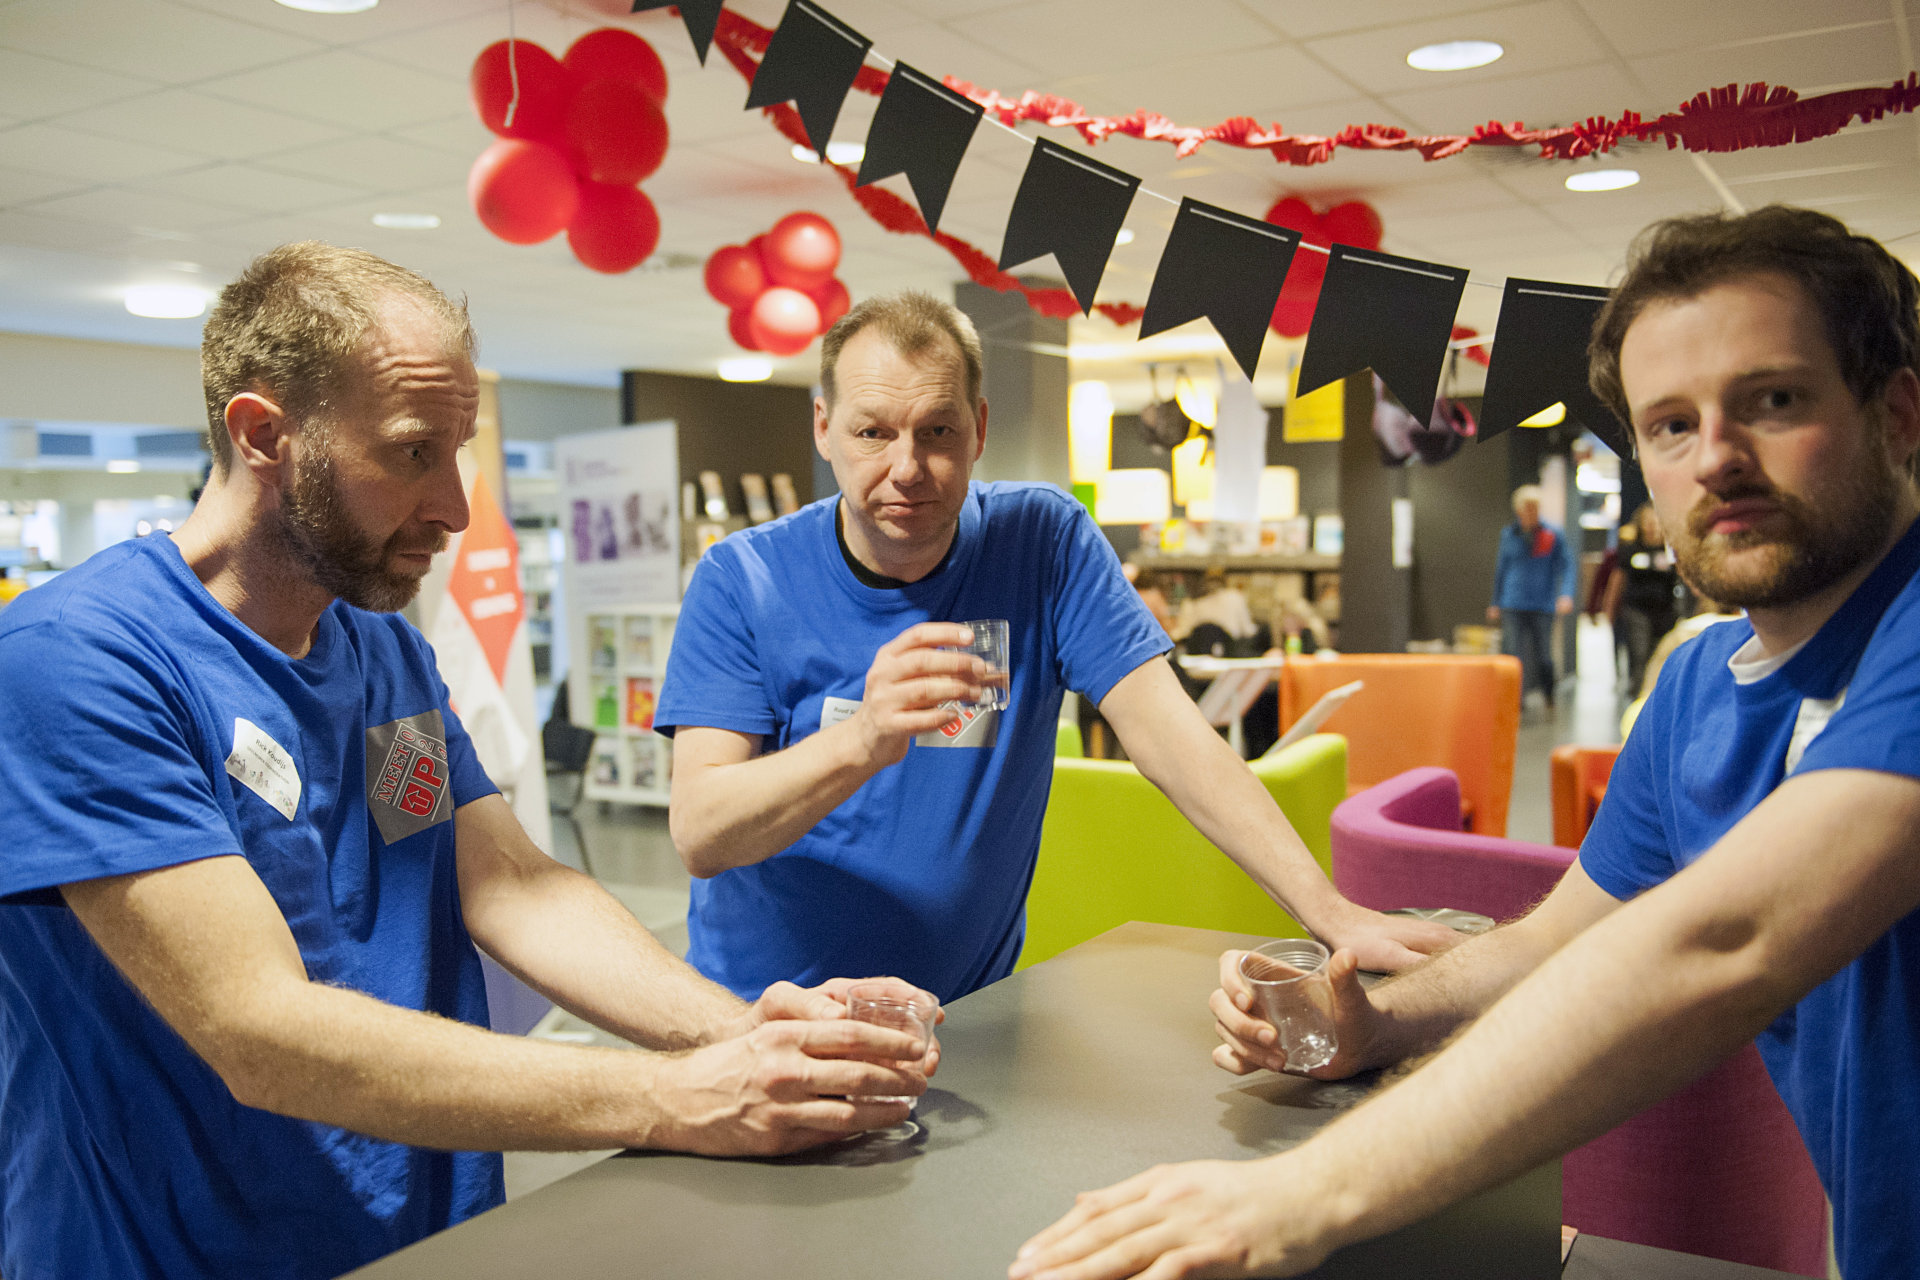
1825,540
341,560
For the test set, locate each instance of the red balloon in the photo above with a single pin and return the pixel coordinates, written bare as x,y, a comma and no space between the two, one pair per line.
739,327
735,277
1296,215
523,191
802,251
614,54
543,90
783,321
833,300
616,132
1353,223
616,228
758,248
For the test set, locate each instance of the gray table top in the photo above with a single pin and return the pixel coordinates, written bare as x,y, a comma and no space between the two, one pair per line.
1067,1076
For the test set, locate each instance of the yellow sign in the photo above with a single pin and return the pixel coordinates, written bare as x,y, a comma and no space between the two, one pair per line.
1320,415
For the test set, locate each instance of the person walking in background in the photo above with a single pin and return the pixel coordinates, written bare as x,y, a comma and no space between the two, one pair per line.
1532,581
1642,595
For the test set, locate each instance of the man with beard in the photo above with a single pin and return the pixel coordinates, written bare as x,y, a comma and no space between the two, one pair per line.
1755,867
249,854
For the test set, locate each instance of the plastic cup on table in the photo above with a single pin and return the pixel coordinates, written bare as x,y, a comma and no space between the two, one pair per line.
990,642
892,1004
1291,989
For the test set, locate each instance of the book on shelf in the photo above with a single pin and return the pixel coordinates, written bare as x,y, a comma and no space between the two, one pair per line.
639,642
640,702
643,758
606,705
605,768
602,639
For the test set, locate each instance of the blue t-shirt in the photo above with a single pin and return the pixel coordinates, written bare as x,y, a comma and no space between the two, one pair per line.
1533,570
1704,752
149,727
922,872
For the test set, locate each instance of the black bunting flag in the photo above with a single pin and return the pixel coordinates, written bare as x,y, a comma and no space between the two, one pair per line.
1391,315
921,128
1226,267
1071,207
701,17
1540,359
812,60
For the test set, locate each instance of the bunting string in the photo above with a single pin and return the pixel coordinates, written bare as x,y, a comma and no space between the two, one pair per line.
1729,118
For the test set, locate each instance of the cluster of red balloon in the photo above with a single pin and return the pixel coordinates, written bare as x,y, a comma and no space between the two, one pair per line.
1354,223
780,286
585,131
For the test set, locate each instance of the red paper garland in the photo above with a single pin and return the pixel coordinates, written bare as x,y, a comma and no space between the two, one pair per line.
1730,118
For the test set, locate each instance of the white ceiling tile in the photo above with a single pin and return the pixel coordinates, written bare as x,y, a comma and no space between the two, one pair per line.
250,189
449,48
381,164
147,38
1892,143
1304,18
134,208
348,89
25,228
46,148
939,51
19,187
33,88
1802,62
1263,82
1551,98
1537,37
461,134
187,120
1119,35
343,28
1650,27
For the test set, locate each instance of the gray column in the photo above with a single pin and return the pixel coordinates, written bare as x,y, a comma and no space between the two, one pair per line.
1025,386
1376,599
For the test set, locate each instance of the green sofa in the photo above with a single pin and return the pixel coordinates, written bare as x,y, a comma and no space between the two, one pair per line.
1114,849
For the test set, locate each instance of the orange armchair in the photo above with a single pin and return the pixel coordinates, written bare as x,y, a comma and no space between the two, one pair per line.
1579,781
1456,711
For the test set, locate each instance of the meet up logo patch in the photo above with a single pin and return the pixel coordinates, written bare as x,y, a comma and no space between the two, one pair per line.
407,775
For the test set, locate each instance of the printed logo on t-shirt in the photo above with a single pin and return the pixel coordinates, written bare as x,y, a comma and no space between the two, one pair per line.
407,775
975,727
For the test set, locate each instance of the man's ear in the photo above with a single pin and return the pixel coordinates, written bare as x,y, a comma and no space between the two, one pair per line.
820,428
980,433
258,431
1902,403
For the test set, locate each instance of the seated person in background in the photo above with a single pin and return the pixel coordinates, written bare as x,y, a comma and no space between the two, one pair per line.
249,853
1223,612
1755,867
839,793
1154,595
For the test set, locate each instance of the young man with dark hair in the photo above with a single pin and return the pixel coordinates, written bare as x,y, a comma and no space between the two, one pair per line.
249,853
1755,867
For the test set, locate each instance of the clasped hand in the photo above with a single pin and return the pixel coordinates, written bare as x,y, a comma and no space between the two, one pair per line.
795,1072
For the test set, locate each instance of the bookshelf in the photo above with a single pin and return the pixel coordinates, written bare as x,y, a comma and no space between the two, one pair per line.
627,651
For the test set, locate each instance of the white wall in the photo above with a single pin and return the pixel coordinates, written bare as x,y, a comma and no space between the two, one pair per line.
73,380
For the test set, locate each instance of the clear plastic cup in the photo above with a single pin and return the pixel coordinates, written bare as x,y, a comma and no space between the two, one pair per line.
889,1004
1292,991
990,638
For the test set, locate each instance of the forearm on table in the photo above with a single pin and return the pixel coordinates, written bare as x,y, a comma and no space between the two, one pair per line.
739,813
565,936
343,1058
1620,1017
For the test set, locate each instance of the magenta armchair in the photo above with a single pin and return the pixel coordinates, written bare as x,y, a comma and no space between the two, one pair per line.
1718,1169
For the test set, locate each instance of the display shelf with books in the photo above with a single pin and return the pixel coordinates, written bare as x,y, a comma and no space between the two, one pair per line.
626,660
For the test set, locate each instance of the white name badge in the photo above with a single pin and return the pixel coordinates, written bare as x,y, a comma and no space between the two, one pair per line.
264,767
834,710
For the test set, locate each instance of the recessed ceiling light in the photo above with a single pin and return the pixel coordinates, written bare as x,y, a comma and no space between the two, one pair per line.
407,221
746,369
330,6
1125,236
123,466
166,301
838,152
1602,179
1453,55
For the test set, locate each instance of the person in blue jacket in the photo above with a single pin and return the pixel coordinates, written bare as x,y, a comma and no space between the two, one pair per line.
1754,870
249,853
1533,580
841,795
